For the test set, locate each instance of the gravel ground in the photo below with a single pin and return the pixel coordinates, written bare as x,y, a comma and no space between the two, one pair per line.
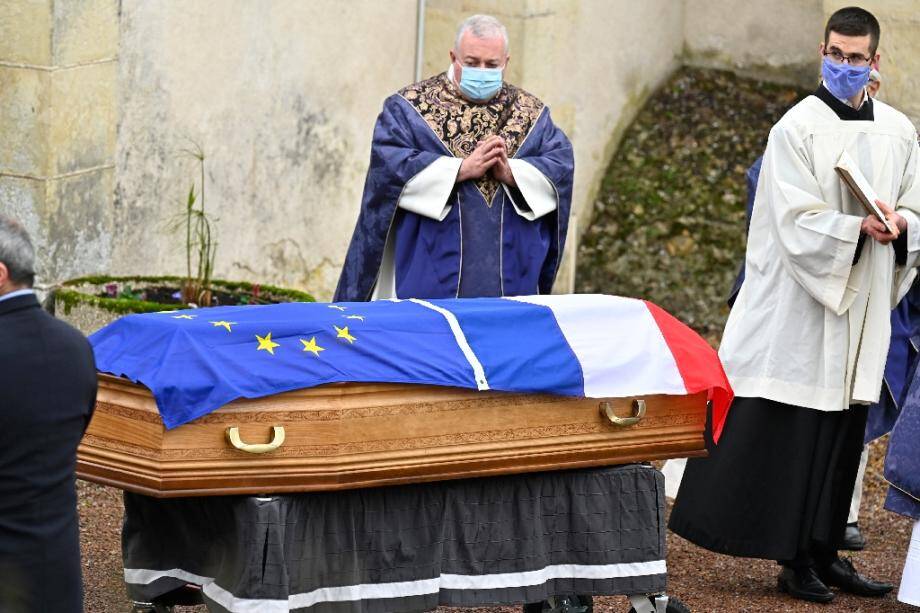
706,582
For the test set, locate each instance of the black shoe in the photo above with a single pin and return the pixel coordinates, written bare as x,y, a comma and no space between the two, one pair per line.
842,574
853,540
804,584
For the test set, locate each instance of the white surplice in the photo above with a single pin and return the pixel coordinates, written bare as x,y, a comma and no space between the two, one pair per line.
809,328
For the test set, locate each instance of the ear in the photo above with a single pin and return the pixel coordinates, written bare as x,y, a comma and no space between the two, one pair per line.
821,51
876,62
453,56
4,274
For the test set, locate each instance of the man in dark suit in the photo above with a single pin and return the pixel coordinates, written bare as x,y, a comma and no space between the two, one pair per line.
47,394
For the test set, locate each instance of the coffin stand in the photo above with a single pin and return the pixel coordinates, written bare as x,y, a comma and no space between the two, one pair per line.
346,436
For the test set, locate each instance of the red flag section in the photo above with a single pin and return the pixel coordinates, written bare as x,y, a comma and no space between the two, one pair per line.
698,364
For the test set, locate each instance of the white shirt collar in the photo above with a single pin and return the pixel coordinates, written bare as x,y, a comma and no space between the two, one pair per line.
17,293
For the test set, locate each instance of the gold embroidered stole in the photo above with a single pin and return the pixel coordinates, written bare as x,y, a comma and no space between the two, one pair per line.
461,124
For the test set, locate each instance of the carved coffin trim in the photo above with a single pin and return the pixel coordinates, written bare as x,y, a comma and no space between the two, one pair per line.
357,435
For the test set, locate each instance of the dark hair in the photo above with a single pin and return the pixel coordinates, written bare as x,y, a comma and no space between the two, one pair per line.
854,21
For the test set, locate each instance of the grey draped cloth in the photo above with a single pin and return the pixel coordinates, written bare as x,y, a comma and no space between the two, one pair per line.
498,540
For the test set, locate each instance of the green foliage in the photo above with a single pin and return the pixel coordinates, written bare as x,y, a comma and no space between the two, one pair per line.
70,298
200,243
72,293
668,224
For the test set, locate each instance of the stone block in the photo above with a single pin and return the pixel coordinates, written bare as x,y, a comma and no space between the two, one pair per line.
25,31
78,225
23,200
84,119
24,96
84,31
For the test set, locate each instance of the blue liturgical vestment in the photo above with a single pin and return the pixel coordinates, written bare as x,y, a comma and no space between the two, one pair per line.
485,243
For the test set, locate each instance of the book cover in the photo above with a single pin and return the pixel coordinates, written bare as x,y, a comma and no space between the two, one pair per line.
860,187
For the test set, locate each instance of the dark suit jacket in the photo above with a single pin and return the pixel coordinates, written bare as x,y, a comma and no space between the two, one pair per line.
47,394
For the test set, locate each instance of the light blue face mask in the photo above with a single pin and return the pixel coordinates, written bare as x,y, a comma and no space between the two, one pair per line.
843,80
480,84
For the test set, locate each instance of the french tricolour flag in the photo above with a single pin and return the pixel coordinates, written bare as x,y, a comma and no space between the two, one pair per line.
586,345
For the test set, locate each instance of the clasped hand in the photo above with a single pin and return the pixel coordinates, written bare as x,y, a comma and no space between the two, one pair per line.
490,156
876,229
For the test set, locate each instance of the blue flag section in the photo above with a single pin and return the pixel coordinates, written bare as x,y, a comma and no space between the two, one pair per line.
196,361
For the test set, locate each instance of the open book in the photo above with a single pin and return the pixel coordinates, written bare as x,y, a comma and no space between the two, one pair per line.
859,186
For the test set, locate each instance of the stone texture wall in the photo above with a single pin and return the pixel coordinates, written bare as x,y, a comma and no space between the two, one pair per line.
282,98
100,97
776,40
58,66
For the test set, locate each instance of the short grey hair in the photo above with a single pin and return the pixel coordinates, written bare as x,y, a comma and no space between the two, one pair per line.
482,26
16,252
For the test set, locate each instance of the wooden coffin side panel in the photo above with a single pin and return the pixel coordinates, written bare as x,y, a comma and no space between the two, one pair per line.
351,436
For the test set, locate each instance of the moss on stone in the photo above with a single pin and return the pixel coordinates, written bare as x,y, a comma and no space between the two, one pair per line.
70,294
69,298
668,222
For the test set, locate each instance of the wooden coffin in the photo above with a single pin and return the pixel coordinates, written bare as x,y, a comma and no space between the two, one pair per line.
344,436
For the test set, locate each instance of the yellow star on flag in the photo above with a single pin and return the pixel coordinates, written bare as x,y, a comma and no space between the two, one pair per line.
337,307
343,333
183,317
358,317
267,343
311,346
223,324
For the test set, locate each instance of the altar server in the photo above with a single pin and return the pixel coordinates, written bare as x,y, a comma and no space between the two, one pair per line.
469,186
806,341
47,394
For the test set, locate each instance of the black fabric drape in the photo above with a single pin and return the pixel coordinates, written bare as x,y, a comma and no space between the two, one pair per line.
779,481
297,550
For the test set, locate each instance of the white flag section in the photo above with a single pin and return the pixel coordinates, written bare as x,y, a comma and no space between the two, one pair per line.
616,359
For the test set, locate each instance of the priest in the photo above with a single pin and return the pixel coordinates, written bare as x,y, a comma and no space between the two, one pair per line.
806,342
469,186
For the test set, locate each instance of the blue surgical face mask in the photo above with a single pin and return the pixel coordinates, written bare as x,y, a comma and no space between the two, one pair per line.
480,84
843,80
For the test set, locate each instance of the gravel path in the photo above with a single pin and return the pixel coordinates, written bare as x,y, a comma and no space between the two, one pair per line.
706,582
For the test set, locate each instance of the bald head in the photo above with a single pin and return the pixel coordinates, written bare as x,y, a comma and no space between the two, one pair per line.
17,256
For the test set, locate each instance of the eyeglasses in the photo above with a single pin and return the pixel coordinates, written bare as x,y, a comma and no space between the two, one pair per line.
854,59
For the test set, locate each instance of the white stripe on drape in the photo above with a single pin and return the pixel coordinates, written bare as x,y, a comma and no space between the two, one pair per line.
403,589
481,382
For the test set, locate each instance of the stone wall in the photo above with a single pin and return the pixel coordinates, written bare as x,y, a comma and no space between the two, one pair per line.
282,99
100,97
58,66
776,40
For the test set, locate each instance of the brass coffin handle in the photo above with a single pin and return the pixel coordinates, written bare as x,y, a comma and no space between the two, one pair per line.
233,433
638,406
